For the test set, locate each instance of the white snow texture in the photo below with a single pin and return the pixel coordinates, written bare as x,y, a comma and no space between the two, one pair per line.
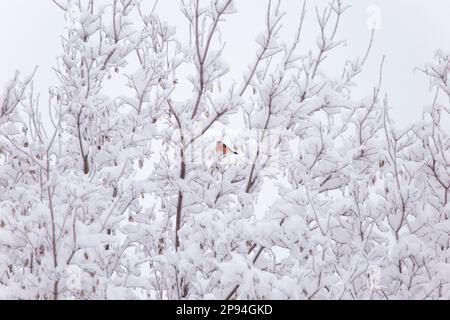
122,195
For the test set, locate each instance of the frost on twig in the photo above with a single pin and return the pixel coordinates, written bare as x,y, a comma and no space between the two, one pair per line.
121,195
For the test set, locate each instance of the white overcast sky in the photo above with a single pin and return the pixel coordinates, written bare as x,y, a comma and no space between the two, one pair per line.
410,32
